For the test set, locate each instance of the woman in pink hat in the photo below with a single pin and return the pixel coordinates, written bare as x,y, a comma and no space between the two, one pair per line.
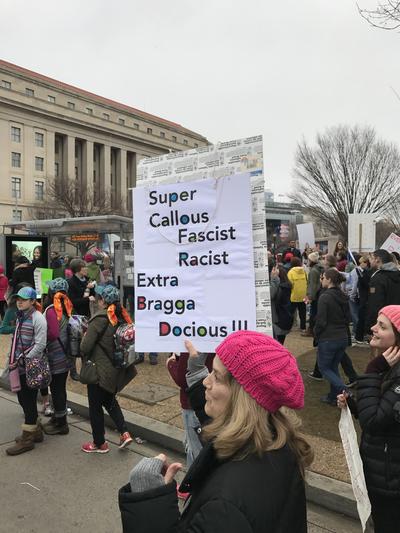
248,478
377,407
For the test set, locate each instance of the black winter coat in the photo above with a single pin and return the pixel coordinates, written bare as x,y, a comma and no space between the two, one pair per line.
75,293
22,274
378,406
253,495
384,289
333,316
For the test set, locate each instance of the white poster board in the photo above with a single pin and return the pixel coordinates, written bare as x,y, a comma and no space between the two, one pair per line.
362,232
194,265
214,161
306,236
392,243
354,463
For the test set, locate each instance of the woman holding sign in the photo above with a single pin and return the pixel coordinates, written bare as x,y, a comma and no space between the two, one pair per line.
248,478
378,411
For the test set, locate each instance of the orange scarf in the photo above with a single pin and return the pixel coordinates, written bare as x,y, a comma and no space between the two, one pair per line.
112,317
59,299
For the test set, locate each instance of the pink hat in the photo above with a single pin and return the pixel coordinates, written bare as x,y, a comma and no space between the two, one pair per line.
264,368
392,312
1,269
89,258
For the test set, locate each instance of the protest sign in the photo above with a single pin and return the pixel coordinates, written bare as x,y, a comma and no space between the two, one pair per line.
354,463
41,277
306,236
362,232
392,243
214,161
194,264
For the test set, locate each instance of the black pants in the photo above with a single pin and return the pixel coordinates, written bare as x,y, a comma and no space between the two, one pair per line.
59,394
99,398
302,309
281,339
313,314
3,307
27,399
360,330
385,513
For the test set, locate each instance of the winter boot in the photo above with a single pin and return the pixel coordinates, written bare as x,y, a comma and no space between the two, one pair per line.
56,426
26,443
37,435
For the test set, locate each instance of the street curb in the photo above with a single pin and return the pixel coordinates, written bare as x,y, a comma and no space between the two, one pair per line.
330,493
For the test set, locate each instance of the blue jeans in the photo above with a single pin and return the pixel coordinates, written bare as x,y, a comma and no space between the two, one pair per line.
354,310
330,353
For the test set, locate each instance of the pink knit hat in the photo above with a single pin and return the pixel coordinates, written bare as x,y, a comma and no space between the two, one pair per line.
264,368
392,312
89,258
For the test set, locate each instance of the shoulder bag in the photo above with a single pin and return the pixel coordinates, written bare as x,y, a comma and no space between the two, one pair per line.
88,374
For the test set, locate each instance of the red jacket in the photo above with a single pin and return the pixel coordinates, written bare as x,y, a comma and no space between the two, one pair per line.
3,287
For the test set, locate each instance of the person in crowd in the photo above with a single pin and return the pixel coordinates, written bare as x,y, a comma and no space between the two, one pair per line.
332,332
22,273
29,341
93,269
281,309
341,261
57,312
287,261
377,408
249,475
364,275
330,261
98,344
3,291
396,259
339,247
298,278
153,358
352,273
37,260
292,250
55,260
67,268
177,366
313,288
384,286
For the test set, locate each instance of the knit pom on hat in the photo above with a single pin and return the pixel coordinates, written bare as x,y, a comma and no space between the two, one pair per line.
264,368
392,312
313,257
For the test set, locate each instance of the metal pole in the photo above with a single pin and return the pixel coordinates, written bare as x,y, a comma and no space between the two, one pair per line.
121,260
359,237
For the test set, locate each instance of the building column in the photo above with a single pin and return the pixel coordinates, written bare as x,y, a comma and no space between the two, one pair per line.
121,188
105,171
68,170
87,165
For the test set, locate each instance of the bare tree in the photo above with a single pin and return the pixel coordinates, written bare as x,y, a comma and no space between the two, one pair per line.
385,16
348,171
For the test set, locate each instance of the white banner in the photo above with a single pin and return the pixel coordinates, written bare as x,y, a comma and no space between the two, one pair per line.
306,236
392,243
362,231
352,453
194,263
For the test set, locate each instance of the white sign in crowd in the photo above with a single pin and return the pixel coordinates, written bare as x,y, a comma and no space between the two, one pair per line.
194,264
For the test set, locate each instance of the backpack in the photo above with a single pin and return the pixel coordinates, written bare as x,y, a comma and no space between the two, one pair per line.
76,328
124,342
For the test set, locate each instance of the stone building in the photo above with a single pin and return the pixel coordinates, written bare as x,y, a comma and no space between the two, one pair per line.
51,130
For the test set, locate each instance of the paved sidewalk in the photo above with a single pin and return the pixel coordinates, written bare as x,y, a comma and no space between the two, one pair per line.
58,488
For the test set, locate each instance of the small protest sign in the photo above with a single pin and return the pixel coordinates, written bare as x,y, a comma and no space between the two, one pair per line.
392,243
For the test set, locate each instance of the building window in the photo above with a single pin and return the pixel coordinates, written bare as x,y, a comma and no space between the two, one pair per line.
185,141
106,116
56,167
89,111
162,134
16,187
39,163
71,105
39,139
51,99
29,92
174,138
6,84
15,159
136,126
39,190
17,215
149,130
15,134
121,121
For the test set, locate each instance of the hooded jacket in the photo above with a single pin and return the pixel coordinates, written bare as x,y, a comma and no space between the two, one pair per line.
298,278
384,289
314,281
333,316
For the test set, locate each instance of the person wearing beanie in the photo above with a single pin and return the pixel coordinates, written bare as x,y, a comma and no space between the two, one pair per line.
93,269
22,273
377,407
98,345
3,291
58,310
249,475
313,289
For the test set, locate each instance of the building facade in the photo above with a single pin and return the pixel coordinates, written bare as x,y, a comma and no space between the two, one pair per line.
51,131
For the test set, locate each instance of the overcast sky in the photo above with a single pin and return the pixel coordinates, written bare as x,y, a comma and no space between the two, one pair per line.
224,68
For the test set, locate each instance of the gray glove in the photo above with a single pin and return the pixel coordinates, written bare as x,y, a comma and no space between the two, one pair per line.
146,475
196,369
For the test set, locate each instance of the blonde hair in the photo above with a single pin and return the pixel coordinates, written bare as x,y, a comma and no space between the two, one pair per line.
245,428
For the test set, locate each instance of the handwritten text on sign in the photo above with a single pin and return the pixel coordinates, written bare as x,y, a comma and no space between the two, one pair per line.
194,271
